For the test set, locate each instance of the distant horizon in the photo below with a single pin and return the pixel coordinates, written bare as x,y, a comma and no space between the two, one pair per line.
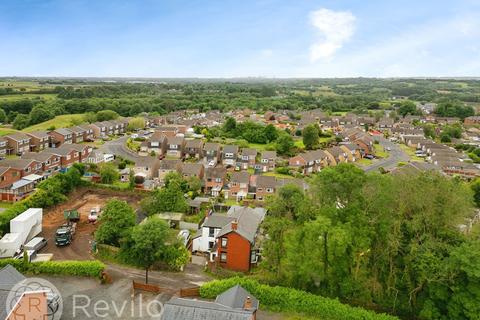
232,39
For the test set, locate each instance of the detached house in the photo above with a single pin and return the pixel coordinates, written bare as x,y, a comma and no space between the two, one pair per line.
175,147
167,166
211,152
229,155
236,241
146,167
17,143
214,180
192,170
238,186
194,148
265,186
247,158
267,161
157,143
39,140
60,137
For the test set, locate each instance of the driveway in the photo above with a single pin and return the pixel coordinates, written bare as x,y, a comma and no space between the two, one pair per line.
396,155
118,147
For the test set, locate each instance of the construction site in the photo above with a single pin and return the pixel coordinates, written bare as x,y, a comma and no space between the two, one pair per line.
83,201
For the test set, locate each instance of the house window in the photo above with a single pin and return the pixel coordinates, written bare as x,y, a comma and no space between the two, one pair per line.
210,245
211,232
269,190
218,179
223,257
224,242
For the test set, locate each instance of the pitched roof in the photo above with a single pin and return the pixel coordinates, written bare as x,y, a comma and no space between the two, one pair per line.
240,177
192,168
269,154
195,143
211,146
217,221
38,134
188,309
170,164
266,182
63,131
248,221
16,163
17,136
175,141
9,277
235,298
217,172
230,149
249,152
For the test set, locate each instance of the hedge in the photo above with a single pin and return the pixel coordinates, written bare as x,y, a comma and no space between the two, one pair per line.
92,269
281,299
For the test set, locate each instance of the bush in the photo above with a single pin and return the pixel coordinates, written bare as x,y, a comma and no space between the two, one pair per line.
71,268
281,299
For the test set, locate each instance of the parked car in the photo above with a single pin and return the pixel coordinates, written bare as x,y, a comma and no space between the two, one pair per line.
93,215
184,236
389,149
64,234
370,156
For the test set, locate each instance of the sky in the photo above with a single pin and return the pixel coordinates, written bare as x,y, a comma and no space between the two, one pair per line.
232,38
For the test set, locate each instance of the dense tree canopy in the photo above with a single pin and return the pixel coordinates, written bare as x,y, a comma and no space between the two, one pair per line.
376,240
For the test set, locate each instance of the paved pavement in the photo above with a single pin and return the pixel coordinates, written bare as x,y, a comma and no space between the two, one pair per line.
118,148
396,155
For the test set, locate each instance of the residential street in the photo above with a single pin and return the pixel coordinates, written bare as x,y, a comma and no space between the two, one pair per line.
396,155
118,148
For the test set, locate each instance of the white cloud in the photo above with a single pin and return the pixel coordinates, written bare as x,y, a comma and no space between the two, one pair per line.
335,28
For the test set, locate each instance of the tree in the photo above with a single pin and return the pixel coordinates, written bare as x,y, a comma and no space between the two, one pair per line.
310,137
106,115
136,123
108,173
169,198
116,222
285,144
230,125
407,107
270,133
40,113
3,116
131,179
21,121
147,243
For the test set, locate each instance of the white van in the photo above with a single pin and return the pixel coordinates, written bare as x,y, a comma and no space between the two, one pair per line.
36,244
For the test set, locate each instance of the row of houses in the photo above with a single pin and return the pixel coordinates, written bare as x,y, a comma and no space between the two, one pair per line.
444,157
18,177
356,145
19,142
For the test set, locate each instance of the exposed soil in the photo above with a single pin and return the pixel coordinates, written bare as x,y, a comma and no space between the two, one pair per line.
83,200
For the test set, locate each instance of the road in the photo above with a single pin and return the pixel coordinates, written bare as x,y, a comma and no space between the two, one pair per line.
118,147
396,155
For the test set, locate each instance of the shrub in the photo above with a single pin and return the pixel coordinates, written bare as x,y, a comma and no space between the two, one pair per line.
72,268
281,299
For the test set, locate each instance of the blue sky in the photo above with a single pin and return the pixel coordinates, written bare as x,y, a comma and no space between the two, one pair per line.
231,38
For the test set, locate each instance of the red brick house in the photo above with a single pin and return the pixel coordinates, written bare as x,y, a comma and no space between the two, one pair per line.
235,242
17,143
60,137
8,176
238,186
50,162
265,186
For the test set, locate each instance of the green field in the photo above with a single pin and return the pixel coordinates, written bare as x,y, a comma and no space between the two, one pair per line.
10,97
5,131
62,121
277,175
380,151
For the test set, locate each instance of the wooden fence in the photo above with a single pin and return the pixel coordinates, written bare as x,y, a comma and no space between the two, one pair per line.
183,292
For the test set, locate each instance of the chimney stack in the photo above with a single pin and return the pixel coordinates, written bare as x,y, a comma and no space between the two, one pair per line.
248,303
234,224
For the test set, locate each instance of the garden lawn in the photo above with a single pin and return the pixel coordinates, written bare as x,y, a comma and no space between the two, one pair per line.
411,153
380,151
277,175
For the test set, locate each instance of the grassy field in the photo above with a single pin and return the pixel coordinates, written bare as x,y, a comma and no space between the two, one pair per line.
10,97
62,121
5,131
